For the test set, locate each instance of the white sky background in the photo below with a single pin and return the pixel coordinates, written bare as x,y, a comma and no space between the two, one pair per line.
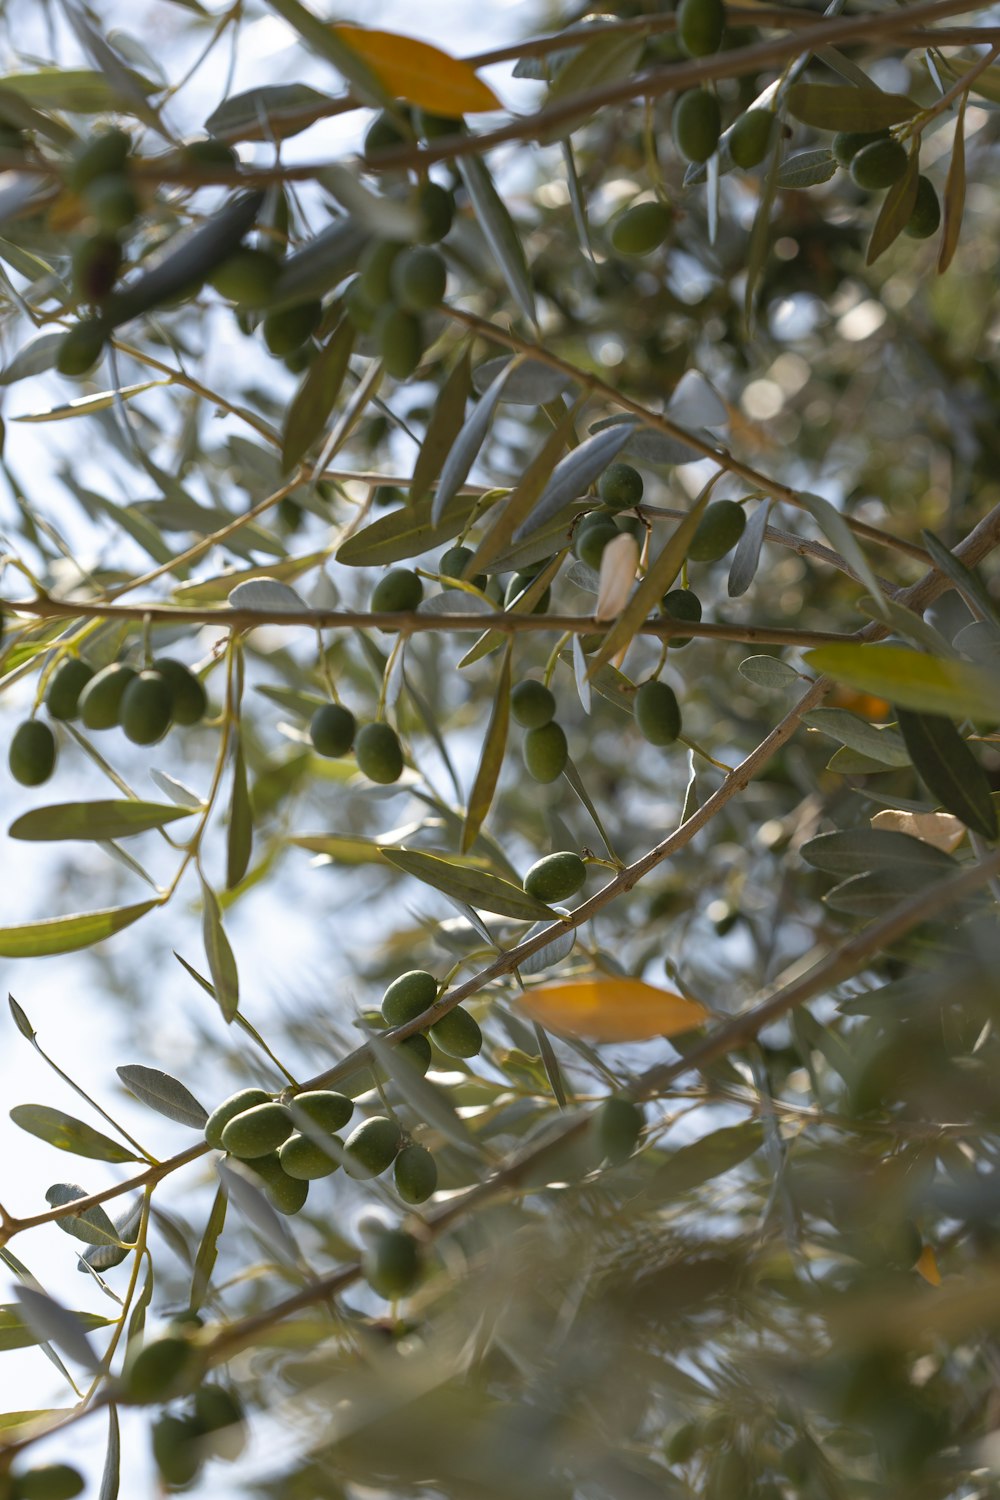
279,933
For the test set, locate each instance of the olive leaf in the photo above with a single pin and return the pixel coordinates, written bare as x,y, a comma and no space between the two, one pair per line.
68,1133
949,769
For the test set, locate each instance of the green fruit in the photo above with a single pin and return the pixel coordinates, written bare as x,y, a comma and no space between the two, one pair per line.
416,1174
641,229
926,215
697,124
453,563
375,272
700,26
100,701
305,1159
162,1368
436,209
177,1449
750,137
102,156
458,1034
388,494
847,143
284,1193
146,708
32,755
417,1052
409,996
546,752
879,165
518,583
236,1104
379,754
719,529
287,330
419,277
589,545
357,306
324,1108
433,127
400,338
630,524
657,713
681,604
391,1263
210,152
247,278
257,1131
532,704
62,697
218,1413
80,349
331,730
556,876
48,1482
96,264
620,487
398,589
619,1123
188,699
683,1443
372,1147
384,132
112,203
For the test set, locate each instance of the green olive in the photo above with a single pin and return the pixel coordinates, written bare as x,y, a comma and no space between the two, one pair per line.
257,1131
620,487
332,729
409,996
642,228
555,877
188,699
32,755
546,752
458,1034
700,26
62,697
378,753
146,708
236,1104
100,701
657,713
415,1174
372,1147
879,165
532,704
697,124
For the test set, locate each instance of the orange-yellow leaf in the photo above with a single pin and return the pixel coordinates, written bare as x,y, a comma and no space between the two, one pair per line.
927,1266
610,1010
419,73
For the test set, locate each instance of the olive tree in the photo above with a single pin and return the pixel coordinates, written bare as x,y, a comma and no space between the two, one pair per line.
539,549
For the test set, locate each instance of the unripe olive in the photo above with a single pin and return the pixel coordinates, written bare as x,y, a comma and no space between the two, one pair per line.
532,704
177,1449
80,349
697,124
681,604
926,215
208,151
619,1123
287,330
257,1131
188,699
589,545
32,754
112,202
436,208
100,701
409,996
657,713
162,1368
416,1050
62,697
518,583
620,487
325,1108
305,1159
719,529
331,730
556,876
750,137
415,1173
384,132
247,278
372,1147
357,306
642,228
453,563
146,708
418,278
546,752
398,589
219,1415
375,271
391,1263
683,1443
102,155
378,753
847,143
48,1482
458,1034
400,338
879,165
96,264
631,524
432,127
700,26
236,1104
284,1193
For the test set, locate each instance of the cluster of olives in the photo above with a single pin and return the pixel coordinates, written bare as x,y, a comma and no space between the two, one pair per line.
395,284
457,1033
143,703
45,1482
545,749
211,1425
877,160
333,731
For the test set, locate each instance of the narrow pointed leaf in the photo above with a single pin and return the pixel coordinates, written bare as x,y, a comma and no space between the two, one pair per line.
164,1094
575,474
949,769
910,678
467,883
111,1474
840,107
316,396
466,446
69,1134
746,558
522,500
525,602
854,851
954,194
531,384
491,759
419,72
93,1225
21,1021
251,1202
239,843
56,1324
67,934
880,744
443,427
204,1262
969,584
86,406
838,533
499,232
610,1009
430,1103
760,236
269,112
896,210
704,1159
15,1333
221,963
94,820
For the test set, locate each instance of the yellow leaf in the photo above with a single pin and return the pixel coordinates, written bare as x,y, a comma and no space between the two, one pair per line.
926,1265
610,1010
940,829
419,73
